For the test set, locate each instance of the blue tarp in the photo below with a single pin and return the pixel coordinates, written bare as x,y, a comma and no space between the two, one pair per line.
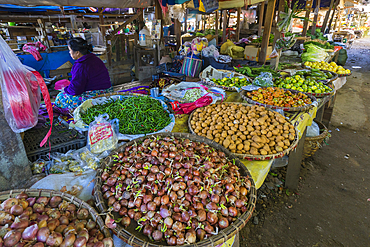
50,61
17,8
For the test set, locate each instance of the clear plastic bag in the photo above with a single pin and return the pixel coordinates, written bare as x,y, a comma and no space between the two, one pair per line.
64,163
264,80
20,91
91,161
38,166
102,134
313,130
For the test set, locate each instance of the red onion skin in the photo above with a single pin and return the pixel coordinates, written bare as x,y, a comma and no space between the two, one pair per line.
43,234
30,232
108,242
12,238
80,242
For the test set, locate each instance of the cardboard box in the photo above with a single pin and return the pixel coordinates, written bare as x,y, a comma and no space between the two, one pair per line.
251,53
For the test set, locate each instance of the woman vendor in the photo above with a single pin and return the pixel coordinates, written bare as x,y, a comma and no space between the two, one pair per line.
90,77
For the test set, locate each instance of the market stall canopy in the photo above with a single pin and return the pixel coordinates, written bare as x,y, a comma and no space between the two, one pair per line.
84,3
17,8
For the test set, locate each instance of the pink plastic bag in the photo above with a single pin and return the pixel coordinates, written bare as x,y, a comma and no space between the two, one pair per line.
187,108
34,49
20,92
59,85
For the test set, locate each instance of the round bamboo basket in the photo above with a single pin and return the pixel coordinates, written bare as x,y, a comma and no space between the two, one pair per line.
211,83
301,108
137,239
71,199
312,144
255,157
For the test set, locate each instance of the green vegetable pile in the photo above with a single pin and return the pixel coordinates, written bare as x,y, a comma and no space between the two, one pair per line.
315,74
303,84
259,39
192,95
232,82
327,45
136,115
313,53
254,72
318,35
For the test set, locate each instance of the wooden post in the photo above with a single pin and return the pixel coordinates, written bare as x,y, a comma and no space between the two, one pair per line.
186,21
224,26
260,18
238,24
44,34
178,34
307,16
280,9
318,2
332,17
220,20
294,164
107,41
327,16
266,31
216,27
159,16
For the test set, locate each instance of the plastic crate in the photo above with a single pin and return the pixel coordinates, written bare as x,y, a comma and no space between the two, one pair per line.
62,139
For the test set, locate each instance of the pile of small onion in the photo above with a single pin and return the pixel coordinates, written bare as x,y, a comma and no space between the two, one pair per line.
174,189
44,221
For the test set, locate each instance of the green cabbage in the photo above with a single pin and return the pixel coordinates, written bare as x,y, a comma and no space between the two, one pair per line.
314,53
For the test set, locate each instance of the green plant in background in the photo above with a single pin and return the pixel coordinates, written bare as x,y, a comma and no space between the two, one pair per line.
288,15
259,39
318,35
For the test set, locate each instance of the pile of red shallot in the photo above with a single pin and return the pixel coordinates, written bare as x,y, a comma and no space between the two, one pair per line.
176,190
44,221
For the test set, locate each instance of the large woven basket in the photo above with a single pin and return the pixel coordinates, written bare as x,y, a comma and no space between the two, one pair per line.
255,157
301,108
138,239
71,199
312,144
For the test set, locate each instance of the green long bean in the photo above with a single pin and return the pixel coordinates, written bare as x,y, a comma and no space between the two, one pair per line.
136,115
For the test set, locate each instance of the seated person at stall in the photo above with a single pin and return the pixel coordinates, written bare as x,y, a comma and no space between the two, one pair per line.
90,77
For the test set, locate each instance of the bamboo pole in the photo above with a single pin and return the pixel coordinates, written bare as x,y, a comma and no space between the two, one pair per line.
267,30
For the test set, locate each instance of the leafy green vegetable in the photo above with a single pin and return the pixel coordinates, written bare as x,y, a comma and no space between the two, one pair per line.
314,53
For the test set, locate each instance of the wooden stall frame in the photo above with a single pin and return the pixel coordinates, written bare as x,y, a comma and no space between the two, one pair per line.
267,30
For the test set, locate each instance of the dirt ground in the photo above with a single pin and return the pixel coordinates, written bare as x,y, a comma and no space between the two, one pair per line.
332,204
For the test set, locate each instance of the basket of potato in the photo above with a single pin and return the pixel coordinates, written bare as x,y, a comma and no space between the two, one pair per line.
250,132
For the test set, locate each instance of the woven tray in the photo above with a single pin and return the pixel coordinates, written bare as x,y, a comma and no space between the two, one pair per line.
210,83
344,75
255,157
312,144
333,73
71,199
138,239
301,108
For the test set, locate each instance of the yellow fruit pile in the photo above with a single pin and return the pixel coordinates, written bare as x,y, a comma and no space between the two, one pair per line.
328,66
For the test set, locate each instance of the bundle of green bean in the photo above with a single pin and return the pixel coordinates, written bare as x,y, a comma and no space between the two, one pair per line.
136,115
